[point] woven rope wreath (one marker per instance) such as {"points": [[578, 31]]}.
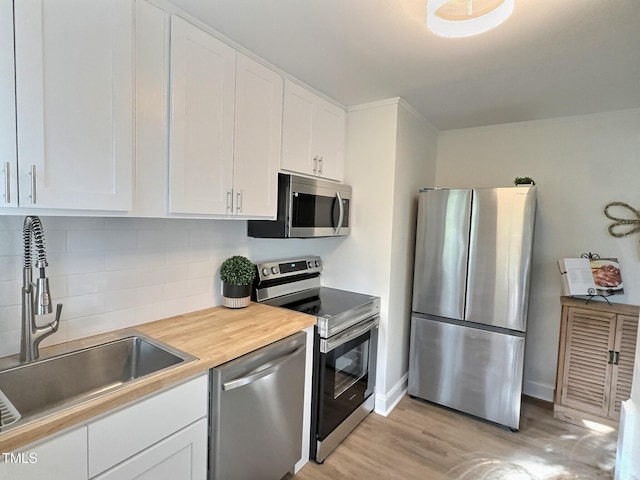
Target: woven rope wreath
{"points": [[633, 223]]}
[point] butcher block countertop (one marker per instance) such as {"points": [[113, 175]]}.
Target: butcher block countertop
{"points": [[215, 336]]}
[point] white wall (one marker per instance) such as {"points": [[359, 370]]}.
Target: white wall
{"points": [[415, 169], [580, 164], [113, 273], [389, 150]]}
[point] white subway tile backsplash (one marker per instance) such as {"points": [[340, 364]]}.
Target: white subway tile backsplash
{"points": [[112, 273], [75, 263], [164, 309], [185, 288], [205, 269], [86, 283], [10, 268], [133, 259], [121, 299], [10, 292], [199, 302], [11, 223], [10, 317], [100, 240], [72, 223], [9, 342], [11, 243], [82, 305]]}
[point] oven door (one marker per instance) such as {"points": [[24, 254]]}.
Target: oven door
{"points": [[320, 210], [346, 374]]}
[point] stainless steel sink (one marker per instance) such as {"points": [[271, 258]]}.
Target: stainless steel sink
{"points": [[52, 384]]}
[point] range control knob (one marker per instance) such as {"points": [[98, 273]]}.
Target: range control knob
{"points": [[274, 270], [310, 264], [265, 271], [317, 263]]}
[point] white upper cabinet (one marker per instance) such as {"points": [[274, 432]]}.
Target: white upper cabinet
{"points": [[74, 95], [8, 154], [257, 138], [201, 121], [312, 134], [225, 128]]}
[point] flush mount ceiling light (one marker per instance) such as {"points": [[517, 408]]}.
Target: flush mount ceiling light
{"points": [[462, 18]]}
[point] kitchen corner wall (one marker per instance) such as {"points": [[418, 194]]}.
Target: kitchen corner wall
{"points": [[113, 273], [580, 164], [390, 154]]}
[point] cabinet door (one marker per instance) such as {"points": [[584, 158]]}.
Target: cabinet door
{"points": [[297, 124], [74, 77], [136, 427], [201, 128], [181, 456], [258, 120], [625, 346], [8, 156], [328, 139], [61, 457], [586, 382]]}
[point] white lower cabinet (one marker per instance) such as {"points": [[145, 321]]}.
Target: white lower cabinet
{"points": [[163, 436], [182, 456], [63, 457], [132, 438]]}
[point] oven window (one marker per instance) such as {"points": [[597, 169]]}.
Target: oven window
{"points": [[350, 367], [344, 382]]}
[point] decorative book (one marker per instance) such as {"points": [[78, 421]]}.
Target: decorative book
{"points": [[590, 276]]}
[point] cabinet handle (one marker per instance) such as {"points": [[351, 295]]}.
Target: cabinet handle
{"points": [[33, 184], [7, 182], [320, 159], [315, 165], [230, 200], [610, 362], [239, 201], [617, 360]]}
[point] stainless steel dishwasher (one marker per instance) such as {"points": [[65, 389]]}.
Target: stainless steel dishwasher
{"points": [[256, 412]]}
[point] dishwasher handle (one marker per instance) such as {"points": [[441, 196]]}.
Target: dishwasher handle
{"points": [[262, 371]]}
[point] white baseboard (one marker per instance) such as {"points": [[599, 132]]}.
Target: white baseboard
{"points": [[539, 390], [385, 403]]}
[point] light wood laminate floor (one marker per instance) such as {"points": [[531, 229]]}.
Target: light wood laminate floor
{"points": [[421, 441]]}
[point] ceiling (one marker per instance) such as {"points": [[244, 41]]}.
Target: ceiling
{"points": [[551, 58]]}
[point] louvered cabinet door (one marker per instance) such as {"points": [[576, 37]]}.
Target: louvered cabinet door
{"points": [[622, 372], [586, 381]]}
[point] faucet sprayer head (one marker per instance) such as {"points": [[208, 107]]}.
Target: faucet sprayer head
{"points": [[43, 297]]}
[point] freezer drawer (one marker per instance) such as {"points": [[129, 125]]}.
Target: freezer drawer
{"points": [[478, 372]]}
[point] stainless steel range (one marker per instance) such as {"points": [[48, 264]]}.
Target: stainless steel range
{"points": [[345, 345]]}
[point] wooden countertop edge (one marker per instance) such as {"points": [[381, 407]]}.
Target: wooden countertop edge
{"points": [[171, 331]]}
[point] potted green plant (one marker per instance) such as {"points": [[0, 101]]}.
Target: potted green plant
{"points": [[237, 274], [523, 181]]}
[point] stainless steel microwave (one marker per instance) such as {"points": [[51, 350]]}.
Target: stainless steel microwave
{"points": [[307, 207]]}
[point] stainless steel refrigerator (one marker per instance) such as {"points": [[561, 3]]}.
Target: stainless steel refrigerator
{"points": [[470, 299]]}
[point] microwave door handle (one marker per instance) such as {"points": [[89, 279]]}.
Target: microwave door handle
{"points": [[341, 217]]}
